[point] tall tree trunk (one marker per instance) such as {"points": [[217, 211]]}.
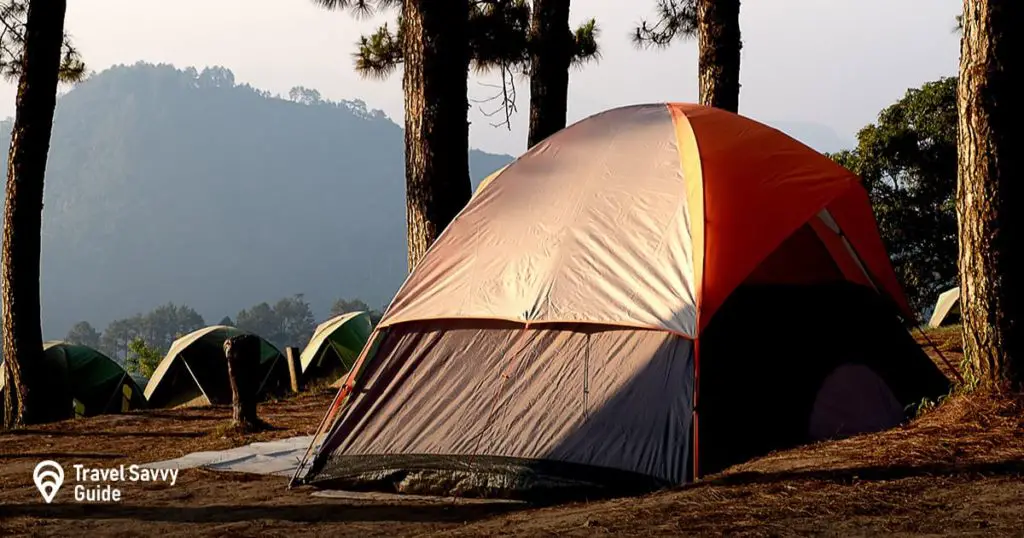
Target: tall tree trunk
{"points": [[719, 44], [27, 398], [989, 192], [550, 58], [436, 65]]}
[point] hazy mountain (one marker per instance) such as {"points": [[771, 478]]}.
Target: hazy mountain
{"points": [[177, 185]]}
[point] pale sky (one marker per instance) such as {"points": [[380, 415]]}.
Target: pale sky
{"points": [[832, 62]]}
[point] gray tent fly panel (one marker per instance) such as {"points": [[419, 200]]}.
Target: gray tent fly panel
{"points": [[194, 370]]}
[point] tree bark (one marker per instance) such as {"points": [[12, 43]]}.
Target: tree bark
{"points": [[436, 65], [550, 58], [989, 194], [29, 398], [719, 44], [243, 355]]}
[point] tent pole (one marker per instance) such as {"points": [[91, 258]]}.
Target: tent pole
{"points": [[181, 357], [343, 392]]}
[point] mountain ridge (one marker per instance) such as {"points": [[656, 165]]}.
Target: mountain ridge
{"points": [[167, 184]]}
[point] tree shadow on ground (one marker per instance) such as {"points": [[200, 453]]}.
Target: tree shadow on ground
{"points": [[184, 417], [311, 512], [868, 473], [57, 455], [62, 433]]}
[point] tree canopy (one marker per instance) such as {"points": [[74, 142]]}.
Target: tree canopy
{"points": [[344, 306], [288, 322], [158, 329], [83, 334], [499, 39], [908, 161], [142, 358]]}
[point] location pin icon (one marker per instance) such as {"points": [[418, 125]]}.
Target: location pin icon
{"points": [[48, 476]]}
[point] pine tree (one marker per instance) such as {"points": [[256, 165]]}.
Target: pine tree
{"points": [[41, 41], [716, 25], [989, 192]]}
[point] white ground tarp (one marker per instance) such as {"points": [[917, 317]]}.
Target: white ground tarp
{"points": [[279, 457]]}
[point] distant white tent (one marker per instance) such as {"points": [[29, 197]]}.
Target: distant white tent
{"points": [[948, 303]]}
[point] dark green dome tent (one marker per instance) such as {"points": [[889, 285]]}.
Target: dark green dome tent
{"points": [[195, 372], [95, 383], [335, 346]]}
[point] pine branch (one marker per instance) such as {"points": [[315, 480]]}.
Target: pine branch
{"points": [[676, 19], [12, 42], [360, 9], [379, 54], [585, 48], [499, 35]]}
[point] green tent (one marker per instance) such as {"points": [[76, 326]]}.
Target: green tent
{"points": [[94, 382], [335, 346], [195, 372]]}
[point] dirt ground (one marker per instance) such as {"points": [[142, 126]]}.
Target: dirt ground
{"points": [[955, 470]]}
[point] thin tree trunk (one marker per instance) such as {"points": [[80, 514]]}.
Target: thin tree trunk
{"points": [[436, 65], [28, 400], [550, 58], [989, 193], [243, 356], [719, 44]]}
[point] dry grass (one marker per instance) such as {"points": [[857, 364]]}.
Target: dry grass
{"points": [[954, 470]]}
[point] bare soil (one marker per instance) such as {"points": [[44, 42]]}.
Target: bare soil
{"points": [[957, 469]]}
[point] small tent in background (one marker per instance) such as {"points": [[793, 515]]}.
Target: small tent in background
{"points": [[335, 346], [94, 383], [195, 372], [947, 308], [647, 296]]}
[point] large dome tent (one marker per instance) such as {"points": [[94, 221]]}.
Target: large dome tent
{"points": [[648, 296], [94, 383], [335, 346], [195, 372]]}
